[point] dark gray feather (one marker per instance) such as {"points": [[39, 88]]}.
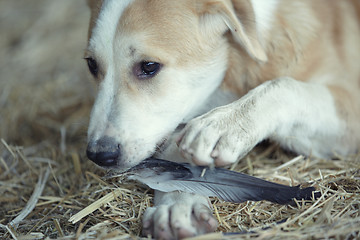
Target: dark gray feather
{"points": [[228, 185]]}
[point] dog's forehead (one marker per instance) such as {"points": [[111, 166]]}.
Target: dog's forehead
{"points": [[162, 24], [155, 23], [142, 14]]}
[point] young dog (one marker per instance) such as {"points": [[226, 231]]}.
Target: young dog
{"points": [[237, 72]]}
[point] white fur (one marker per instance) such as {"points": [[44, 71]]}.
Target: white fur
{"points": [[101, 45], [264, 14], [271, 110], [183, 211], [105, 28]]}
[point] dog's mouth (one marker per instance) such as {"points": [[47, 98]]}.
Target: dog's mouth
{"points": [[164, 143], [161, 146]]}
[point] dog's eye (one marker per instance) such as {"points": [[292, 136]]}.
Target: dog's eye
{"points": [[149, 68], [146, 69], [93, 66]]}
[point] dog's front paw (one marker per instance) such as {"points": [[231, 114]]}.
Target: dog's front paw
{"points": [[218, 138], [181, 215]]}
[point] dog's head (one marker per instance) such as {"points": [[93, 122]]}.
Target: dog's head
{"points": [[156, 62]]}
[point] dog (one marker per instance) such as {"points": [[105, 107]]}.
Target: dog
{"points": [[235, 72]]}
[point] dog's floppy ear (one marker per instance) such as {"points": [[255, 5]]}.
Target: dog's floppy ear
{"points": [[220, 14]]}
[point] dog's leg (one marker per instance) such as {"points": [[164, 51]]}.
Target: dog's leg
{"points": [[178, 215], [301, 116]]}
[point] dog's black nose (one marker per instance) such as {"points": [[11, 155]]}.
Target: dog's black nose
{"points": [[105, 152], [103, 159]]}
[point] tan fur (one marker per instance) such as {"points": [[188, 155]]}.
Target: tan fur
{"points": [[321, 47], [165, 35], [307, 50], [327, 45]]}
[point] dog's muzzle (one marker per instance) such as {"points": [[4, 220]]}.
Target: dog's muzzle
{"points": [[104, 152]]}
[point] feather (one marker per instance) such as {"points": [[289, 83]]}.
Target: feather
{"points": [[228, 185]]}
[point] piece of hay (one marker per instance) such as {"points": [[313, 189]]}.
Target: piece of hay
{"points": [[95, 206], [33, 199]]}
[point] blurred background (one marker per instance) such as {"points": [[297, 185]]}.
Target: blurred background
{"points": [[45, 100], [45, 91]]}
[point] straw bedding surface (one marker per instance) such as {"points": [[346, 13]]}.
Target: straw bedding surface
{"points": [[45, 179]]}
